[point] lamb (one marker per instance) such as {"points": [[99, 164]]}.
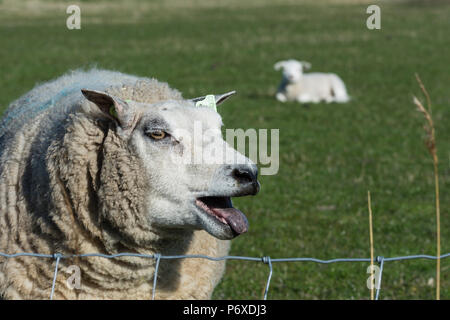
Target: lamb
{"points": [[95, 161], [310, 87]]}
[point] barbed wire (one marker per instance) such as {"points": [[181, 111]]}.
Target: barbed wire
{"points": [[266, 260]]}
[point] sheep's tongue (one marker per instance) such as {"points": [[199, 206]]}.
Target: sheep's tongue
{"points": [[235, 218]]}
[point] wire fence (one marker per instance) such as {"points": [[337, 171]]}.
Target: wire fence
{"points": [[266, 260]]}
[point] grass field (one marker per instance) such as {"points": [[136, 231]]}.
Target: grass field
{"points": [[330, 155]]}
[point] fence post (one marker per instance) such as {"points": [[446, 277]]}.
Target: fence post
{"points": [[267, 260], [57, 256], [156, 256]]}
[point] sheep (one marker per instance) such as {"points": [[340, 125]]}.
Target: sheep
{"points": [[310, 87], [94, 162]]}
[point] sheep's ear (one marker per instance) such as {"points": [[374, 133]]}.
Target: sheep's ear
{"points": [[280, 64], [306, 65], [112, 107], [222, 97], [219, 98]]}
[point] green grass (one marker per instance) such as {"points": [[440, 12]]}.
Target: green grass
{"points": [[330, 155]]}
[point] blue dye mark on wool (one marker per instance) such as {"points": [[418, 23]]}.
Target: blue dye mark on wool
{"points": [[30, 110], [35, 108], [67, 87]]}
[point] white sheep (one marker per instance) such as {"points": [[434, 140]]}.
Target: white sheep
{"points": [[94, 162], [308, 87]]}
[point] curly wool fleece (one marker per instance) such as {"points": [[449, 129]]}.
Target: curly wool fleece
{"points": [[68, 186]]}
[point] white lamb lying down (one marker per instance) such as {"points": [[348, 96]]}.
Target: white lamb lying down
{"points": [[309, 87]]}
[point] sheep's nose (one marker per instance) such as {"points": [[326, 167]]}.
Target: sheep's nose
{"points": [[244, 175], [247, 177]]}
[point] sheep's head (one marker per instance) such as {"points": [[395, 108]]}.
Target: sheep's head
{"points": [[191, 172], [292, 69]]}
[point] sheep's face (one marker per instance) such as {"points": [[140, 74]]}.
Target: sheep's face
{"points": [[192, 172], [292, 69]]}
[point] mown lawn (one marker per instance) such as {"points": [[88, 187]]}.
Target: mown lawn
{"points": [[330, 155]]}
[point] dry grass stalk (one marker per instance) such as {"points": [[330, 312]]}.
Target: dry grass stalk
{"points": [[431, 146], [372, 290]]}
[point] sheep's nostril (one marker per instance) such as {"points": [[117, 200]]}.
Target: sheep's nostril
{"points": [[244, 175]]}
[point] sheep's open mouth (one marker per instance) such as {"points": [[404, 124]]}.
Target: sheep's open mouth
{"points": [[222, 209]]}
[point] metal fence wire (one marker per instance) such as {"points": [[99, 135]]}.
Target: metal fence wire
{"points": [[380, 260]]}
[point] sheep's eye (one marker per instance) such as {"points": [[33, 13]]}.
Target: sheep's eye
{"points": [[157, 135]]}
